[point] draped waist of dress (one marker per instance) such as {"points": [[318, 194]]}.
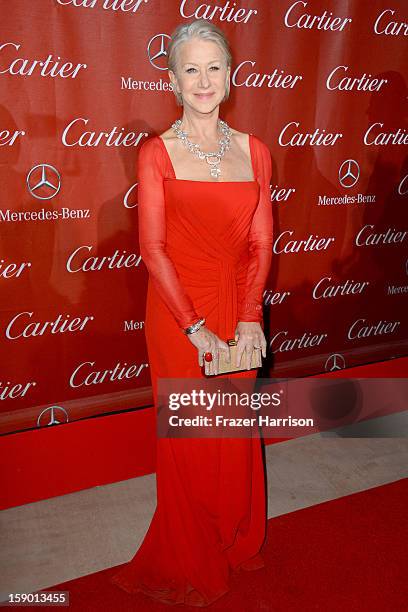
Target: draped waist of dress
{"points": [[207, 238]]}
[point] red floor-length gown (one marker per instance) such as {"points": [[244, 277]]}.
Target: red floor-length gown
{"points": [[207, 246]]}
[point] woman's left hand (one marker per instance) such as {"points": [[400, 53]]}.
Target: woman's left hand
{"points": [[249, 334]]}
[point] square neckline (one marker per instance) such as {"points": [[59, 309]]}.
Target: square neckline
{"points": [[174, 178]]}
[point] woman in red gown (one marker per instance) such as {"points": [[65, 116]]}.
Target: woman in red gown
{"points": [[207, 245]]}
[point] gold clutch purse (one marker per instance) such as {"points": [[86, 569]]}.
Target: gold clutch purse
{"points": [[225, 366]]}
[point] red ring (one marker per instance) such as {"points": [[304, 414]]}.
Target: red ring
{"points": [[208, 356]]}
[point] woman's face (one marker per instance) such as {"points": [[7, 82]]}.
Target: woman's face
{"points": [[202, 74]]}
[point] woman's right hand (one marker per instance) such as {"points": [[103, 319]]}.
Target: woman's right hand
{"points": [[206, 341]]}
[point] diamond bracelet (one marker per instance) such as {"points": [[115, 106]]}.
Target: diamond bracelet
{"points": [[194, 327]]}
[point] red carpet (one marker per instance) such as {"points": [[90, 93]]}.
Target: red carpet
{"points": [[346, 554]]}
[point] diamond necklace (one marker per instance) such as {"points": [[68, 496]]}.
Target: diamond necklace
{"points": [[212, 158]]}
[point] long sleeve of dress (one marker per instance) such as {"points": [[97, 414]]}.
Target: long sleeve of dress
{"points": [[260, 241], [152, 234]]}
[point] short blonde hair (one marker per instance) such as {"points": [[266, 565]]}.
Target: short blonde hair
{"points": [[206, 30]]}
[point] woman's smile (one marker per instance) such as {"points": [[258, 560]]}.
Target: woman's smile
{"points": [[204, 96]]}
